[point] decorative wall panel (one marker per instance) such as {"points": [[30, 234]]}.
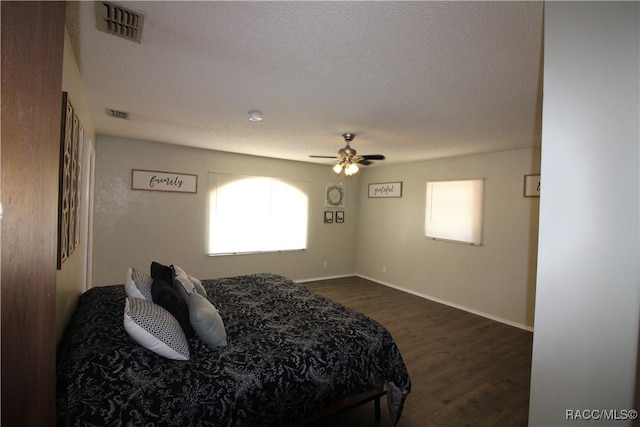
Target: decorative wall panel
{"points": [[72, 135]]}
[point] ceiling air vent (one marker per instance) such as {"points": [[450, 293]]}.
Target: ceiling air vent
{"points": [[117, 114], [119, 21]]}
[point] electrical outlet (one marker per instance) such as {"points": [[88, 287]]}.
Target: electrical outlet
{"points": [[325, 264], [384, 269]]}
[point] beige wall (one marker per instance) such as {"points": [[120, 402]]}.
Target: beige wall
{"points": [[134, 227], [496, 279], [70, 282]]}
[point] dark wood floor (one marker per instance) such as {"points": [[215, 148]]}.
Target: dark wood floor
{"points": [[465, 370]]}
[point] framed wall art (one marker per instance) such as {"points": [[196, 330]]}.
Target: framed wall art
{"points": [[69, 194], [328, 217], [164, 181], [385, 189], [334, 195]]}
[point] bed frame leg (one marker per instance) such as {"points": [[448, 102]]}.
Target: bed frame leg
{"points": [[377, 408]]}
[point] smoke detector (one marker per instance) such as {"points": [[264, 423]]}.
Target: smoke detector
{"points": [[255, 116]]}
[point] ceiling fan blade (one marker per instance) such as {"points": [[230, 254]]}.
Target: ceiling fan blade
{"points": [[373, 157], [364, 162], [325, 157]]}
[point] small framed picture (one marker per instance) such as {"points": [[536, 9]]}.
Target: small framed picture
{"points": [[328, 217], [339, 216]]}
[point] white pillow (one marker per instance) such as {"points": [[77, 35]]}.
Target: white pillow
{"points": [[206, 321], [155, 328], [197, 285], [138, 284], [182, 283], [178, 271]]}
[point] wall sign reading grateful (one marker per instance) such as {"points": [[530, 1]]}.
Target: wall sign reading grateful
{"points": [[164, 181], [385, 189]]}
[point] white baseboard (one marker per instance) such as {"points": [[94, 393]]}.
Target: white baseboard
{"points": [[340, 276], [450, 304], [425, 296]]}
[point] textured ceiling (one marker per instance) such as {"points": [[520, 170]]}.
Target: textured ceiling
{"points": [[413, 80]]}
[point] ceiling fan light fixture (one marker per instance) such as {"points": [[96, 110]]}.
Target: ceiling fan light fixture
{"points": [[351, 169], [349, 158]]}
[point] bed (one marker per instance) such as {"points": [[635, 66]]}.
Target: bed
{"points": [[289, 355]]}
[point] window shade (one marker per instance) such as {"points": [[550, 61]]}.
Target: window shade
{"points": [[454, 211]]}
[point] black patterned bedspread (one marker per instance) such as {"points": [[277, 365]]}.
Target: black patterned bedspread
{"points": [[290, 352]]}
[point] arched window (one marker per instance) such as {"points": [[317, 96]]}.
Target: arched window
{"points": [[249, 214]]}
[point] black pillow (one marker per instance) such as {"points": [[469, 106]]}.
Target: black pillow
{"points": [[160, 271], [168, 298]]}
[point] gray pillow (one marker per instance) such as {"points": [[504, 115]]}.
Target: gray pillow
{"points": [[206, 321], [197, 286]]}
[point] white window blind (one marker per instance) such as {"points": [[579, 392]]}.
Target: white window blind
{"points": [[454, 211], [250, 214]]}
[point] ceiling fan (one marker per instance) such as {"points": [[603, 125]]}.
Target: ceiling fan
{"points": [[349, 157]]}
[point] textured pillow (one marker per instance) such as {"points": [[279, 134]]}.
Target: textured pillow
{"points": [[168, 298], [138, 284], [197, 285], [160, 271], [206, 321], [155, 328]]}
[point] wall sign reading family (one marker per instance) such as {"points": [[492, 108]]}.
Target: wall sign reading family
{"points": [[164, 181]]}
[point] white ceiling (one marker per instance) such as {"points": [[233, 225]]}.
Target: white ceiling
{"points": [[413, 80]]}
